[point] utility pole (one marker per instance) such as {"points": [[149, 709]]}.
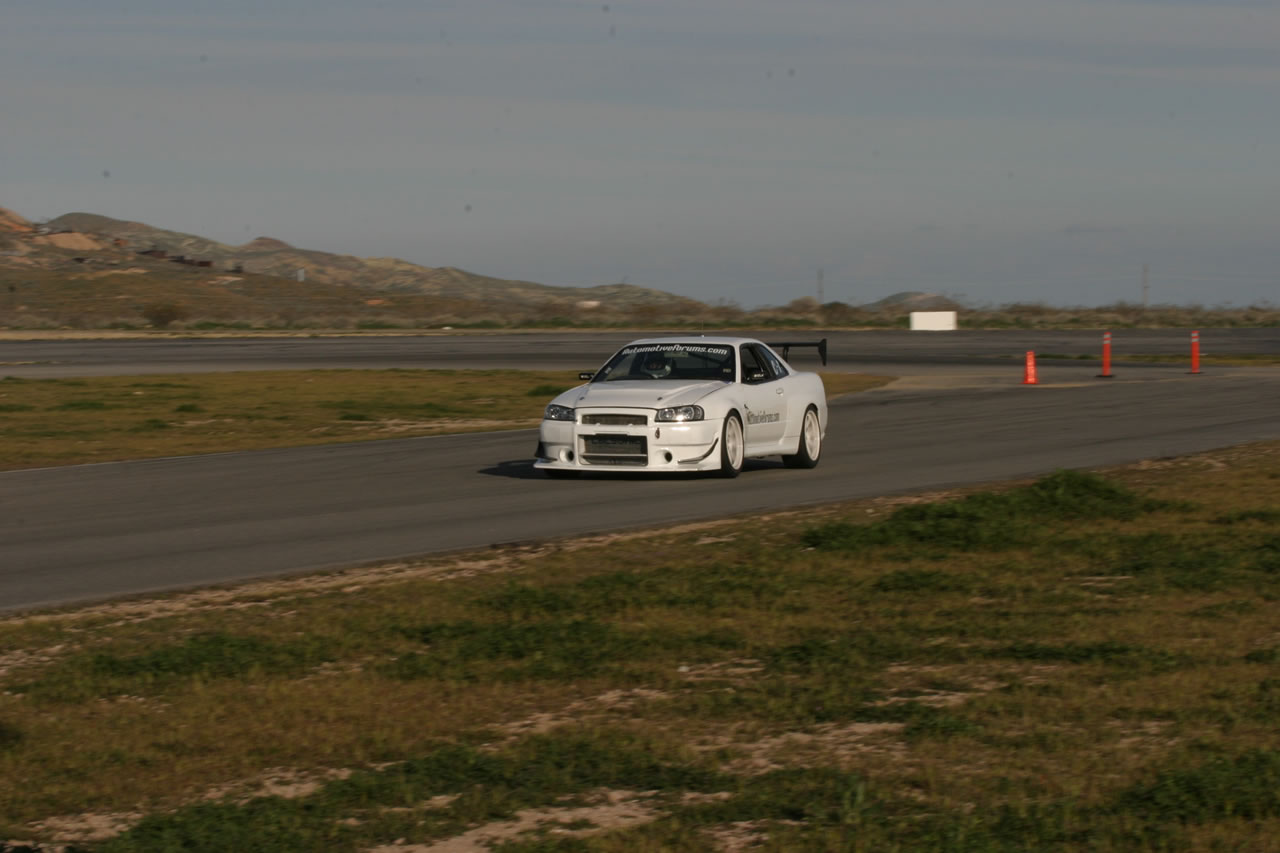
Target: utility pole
{"points": [[1146, 289], [821, 298]]}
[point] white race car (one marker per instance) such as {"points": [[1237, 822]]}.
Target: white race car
{"points": [[687, 404]]}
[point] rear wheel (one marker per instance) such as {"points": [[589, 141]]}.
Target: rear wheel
{"points": [[810, 442], [732, 446]]}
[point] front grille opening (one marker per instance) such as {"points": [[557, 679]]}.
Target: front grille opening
{"points": [[629, 461], [629, 450], [615, 420]]}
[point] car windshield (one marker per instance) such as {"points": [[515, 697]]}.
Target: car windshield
{"points": [[676, 361]]}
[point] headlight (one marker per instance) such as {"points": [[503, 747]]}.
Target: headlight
{"points": [[680, 413], [558, 413]]}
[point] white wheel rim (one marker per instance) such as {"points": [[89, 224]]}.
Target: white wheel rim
{"points": [[733, 442], [812, 434]]}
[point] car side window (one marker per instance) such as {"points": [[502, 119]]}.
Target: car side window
{"points": [[754, 369], [774, 363]]}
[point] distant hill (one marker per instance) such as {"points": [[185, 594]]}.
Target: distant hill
{"points": [[268, 256], [913, 300]]}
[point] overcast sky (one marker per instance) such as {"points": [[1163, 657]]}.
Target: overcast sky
{"points": [[992, 150]]}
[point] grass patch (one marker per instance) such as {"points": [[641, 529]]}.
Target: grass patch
{"points": [[484, 786], [548, 391], [920, 581], [1181, 559], [1244, 786], [1266, 516], [55, 422], [1106, 652], [555, 649], [80, 406], [152, 424], [987, 520], [10, 737], [1102, 678], [200, 658]]}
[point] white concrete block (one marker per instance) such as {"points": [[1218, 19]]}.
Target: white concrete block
{"points": [[933, 321]]}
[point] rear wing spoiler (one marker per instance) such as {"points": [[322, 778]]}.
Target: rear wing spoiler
{"points": [[786, 346]]}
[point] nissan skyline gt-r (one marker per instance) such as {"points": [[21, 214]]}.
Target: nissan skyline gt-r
{"points": [[687, 404]]}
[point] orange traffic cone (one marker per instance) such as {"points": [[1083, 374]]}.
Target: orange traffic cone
{"points": [[1029, 374]]}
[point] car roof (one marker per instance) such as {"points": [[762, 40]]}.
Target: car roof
{"points": [[695, 339]]}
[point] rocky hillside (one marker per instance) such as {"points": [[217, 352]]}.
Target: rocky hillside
{"points": [[83, 270], [12, 223], [268, 256]]}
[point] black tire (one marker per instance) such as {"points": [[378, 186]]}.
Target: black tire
{"points": [[733, 447], [810, 442]]}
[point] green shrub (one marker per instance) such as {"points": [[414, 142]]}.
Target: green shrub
{"points": [[82, 405], [10, 737], [909, 580], [163, 314], [988, 520], [1246, 786], [198, 658]]}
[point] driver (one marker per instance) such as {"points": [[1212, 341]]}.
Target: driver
{"points": [[656, 366]]}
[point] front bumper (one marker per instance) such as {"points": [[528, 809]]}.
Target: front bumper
{"points": [[615, 440]]}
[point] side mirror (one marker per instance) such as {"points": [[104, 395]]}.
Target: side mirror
{"points": [[585, 375]]}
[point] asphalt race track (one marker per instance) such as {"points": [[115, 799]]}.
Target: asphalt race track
{"points": [[864, 350], [960, 415]]}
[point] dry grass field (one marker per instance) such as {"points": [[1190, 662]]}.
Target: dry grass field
{"points": [[1087, 662]]}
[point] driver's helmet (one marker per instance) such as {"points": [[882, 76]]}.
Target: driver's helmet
{"points": [[656, 365]]}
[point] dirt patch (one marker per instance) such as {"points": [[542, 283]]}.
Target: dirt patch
{"points": [[284, 782], [743, 835], [616, 810], [90, 828], [22, 658], [105, 273], [70, 240], [594, 707], [912, 682], [829, 744], [1144, 735], [729, 670], [73, 829]]}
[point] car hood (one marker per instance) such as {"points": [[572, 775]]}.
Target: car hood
{"points": [[640, 394]]}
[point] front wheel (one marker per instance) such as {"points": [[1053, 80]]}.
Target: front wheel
{"points": [[732, 447], [810, 442]]}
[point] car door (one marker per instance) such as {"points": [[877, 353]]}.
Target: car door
{"points": [[793, 412], [764, 398]]}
